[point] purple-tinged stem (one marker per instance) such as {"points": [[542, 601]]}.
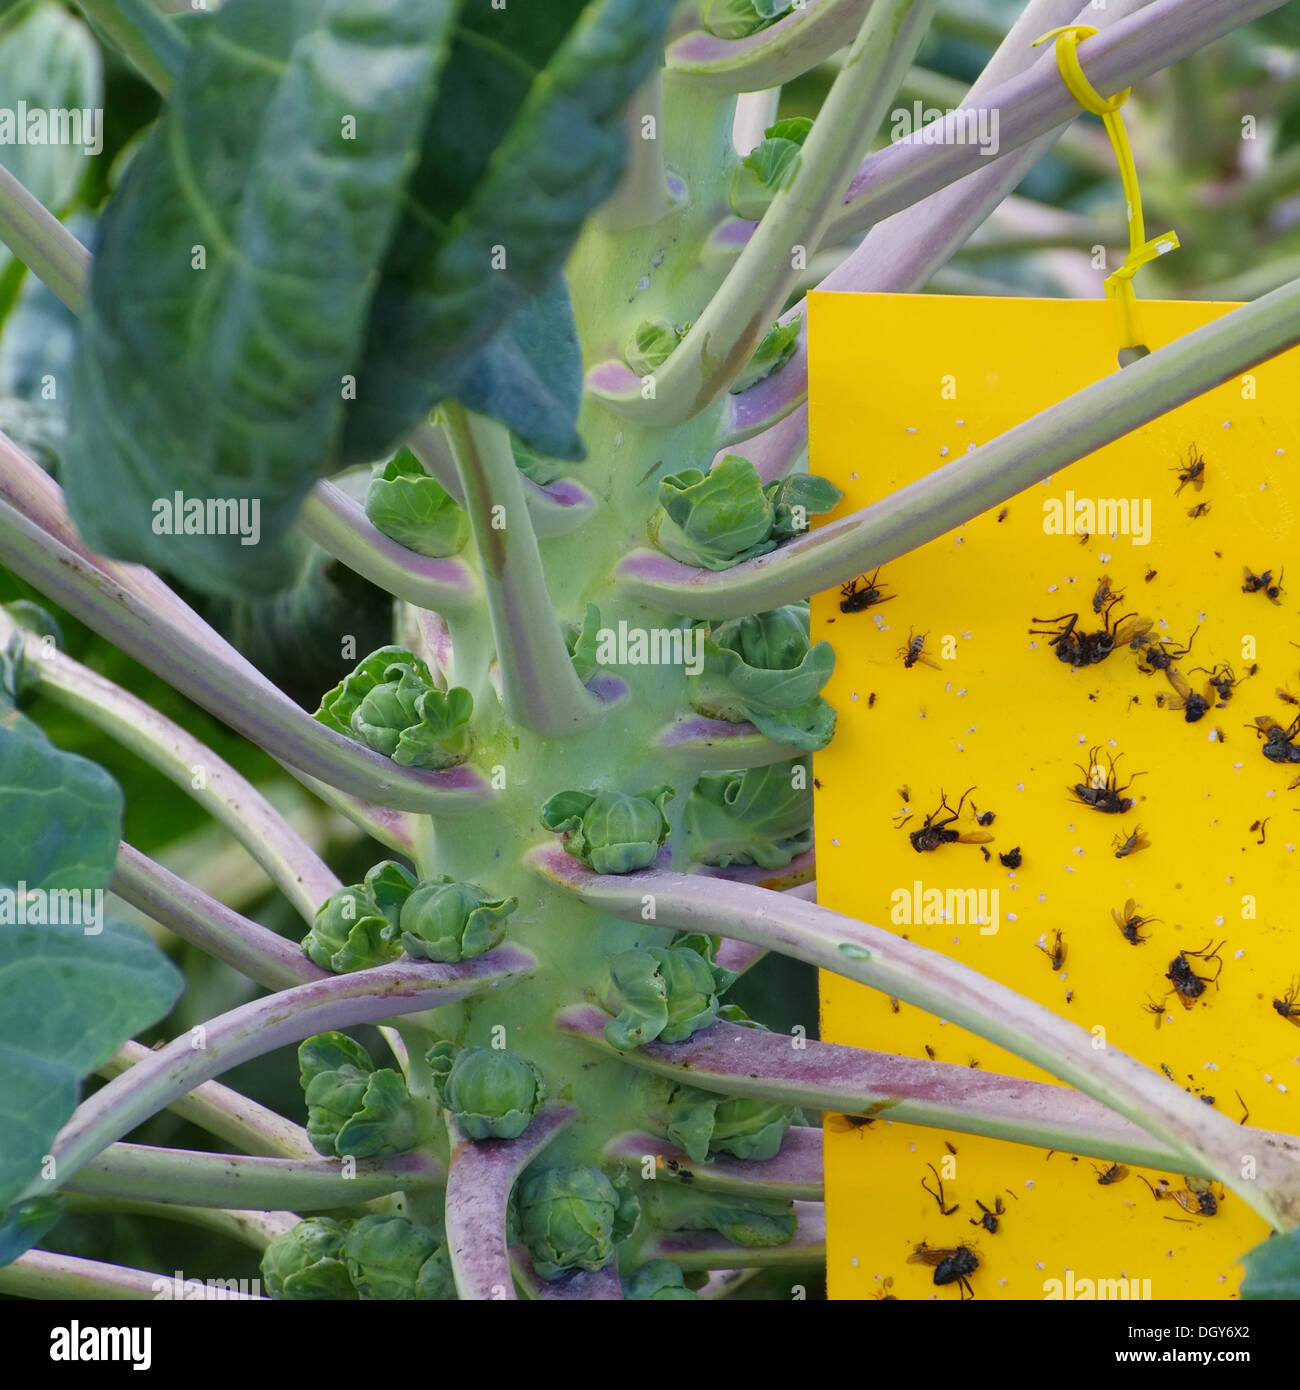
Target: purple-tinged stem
{"points": [[709, 1250], [796, 1172], [900, 968], [41, 1274], [256, 1229], [185, 1177], [340, 526], [365, 996], [480, 1179], [697, 744], [773, 56], [389, 827], [220, 931], [231, 1117], [540, 688], [984, 478], [721, 1283], [248, 702], [580, 1286], [798, 872]]}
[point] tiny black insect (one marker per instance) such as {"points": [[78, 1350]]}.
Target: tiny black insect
{"points": [[1160, 655], [1263, 583], [1152, 1007], [990, 1218], [913, 650], [1150, 575], [1188, 985], [1287, 1006], [1279, 744], [1130, 924], [862, 593], [1012, 859], [1088, 648], [1222, 678], [1109, 797], [1193, 471], [1002, 515], [1262, 827], [944, 1208], [935, 832], [1117, 1172], [950, 1266], [871, 700], [929, 1051], [1130, 845], [1058, 950]]}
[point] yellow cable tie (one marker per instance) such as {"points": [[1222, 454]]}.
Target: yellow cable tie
{"points": [[1119, 285]]}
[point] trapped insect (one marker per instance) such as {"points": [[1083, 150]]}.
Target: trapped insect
{"points": [[1192, 704], [1088, 648], [989, 1220], [1279, 743], [1263, 583], [1193, 471], [1117, 1172], [1222, 679], [1130, 844], [1160, 655], [1288, 1007], [859, 594], [1102, 593], [1198, 1197], [1188, 985], [954, 1266], [935, 832], [1058, 950], [1130, 924], [1109, 797], [913, 650], [940, 1199]]}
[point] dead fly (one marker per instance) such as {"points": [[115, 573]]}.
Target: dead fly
{"points": [[935, 832], [1188, 985], [1108, 798], [950, 1266], [1012, 859], [1286, 697], [1221, 678], [1150, 575], [1161, 655], [1262, 827], [1130, 845], [1287, 1005], [929, 1051], [1262, 583], [1088, 648], [1058, 950], [1130, 924], [1193, 704], [1002, 515], [944, 1208], [1198, 1197], [886, 1284], [1115, 1173], [1199, 509], [913, 650], [1102, 594], [983, 817], [862, 593], [1193, 471], [990, 1218], [1279, 744], [871, 700], [1158, 1009]]}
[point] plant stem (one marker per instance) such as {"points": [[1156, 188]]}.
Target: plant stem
{"points": [[642, 197], [255, 951], [44, 1275], [256, 1229], [950, 990], [709, 1250], [539, 687], [155, 48], [253, 706], [984, 478], [366, 996], [231, 1117], [794, 1173], [391, 828], [42, 242], [184, 1177]]}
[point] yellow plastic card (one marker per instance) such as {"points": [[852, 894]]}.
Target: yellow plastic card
{"points": [[1187, 526]]}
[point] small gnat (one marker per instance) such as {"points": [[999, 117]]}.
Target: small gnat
{"points": [[1105, 559], [854, 696], [1069, 868], [1270, 793], [1236, 955], [1213, 736], [943, 452], [853, 477], [1227, 424], [1268, 1078], [1281, 1085], [962, 691], [961, 747], [836, 843], [961, 540], [1020, 786], [1052, 588]]}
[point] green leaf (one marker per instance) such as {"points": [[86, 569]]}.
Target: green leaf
{"points": [[749, 1221], [714, 519], [1273, 1269], [415, 510], [758, 816], [292, 211], [25, 1223], [653, 343], [524, 142], [530, 376], [768, 168], [735, 19], [795, 499], [776, 349], [582, 642]]}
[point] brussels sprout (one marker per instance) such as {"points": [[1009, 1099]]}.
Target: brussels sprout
{"points": [[448, 921], [415, 510], [307, 1262], [352, 1109], [768, 168], [704, 1123], [667, 993], [349, 931], [386, 1256], [737, 19], [610, 832], [749, 1221], [572, 1218], [653, 343], [714, 519], [493, 1093], [581, 643], [796, 498], [435, 1280], [760, 669], [760, 816], [391, 704], [657, 1281], [777, 348]]}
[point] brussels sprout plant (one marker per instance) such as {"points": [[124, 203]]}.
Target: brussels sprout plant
{"points": [[497, 312]]}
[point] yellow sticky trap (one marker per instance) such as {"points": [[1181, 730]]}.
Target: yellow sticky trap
{"points": [[901, 386]]}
